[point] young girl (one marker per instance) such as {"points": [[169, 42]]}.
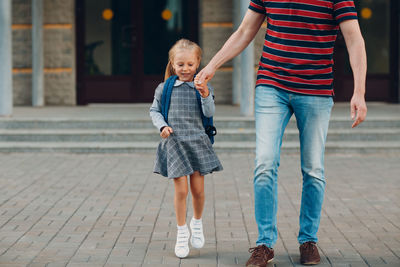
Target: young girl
{"points": [[185, 148]]}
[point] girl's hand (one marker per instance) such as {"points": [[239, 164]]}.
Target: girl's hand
{"points": [[202, 88], [166, 132]]}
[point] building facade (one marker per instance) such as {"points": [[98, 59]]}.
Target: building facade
{"points": [[109, 51]]}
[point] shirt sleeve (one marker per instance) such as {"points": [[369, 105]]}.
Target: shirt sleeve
{"points": [[207, 103], [344, 10], [257, 6], [155, 109]]}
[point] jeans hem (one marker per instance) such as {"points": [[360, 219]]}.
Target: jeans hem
{"points": [[308, 240], [266, 244]]}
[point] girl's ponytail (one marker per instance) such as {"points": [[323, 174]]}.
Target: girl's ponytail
{"points": [[169, 71]]}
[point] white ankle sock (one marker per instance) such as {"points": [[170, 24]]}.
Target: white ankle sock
{"points": [[182, 227], [196, 226], [182, 241], [197, 221]]}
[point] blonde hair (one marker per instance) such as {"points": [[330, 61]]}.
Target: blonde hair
{"points": [[181, 44]]}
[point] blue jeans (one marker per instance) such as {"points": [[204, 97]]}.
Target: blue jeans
{"points": [[273, 109]]}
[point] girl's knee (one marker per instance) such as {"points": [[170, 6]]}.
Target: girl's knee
{"points": [[181, 187], [181, 193], [197, 194]]}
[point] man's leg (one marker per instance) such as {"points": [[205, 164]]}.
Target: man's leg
{"points": [[312, 115], [272, 113]]}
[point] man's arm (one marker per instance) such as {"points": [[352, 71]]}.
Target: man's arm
{"points": [[238, 41], [358, 62]]}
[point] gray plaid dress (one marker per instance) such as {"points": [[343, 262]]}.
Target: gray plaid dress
{"points": [[188, 148]]}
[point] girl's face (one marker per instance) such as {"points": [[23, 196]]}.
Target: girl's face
{"points": [[185, 64]]}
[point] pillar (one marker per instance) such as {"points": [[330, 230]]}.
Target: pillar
{"points": [[6, 89], [236, 81], [247, 72], [37, 54]]}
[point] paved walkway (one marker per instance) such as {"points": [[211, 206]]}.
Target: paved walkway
{"points": [[110, 210]]}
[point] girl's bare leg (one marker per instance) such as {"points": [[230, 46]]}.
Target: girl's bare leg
{"points": [[183, 234], [197, 189], [196, 225], [181, 192]]}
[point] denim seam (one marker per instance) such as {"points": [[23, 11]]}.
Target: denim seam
{"points": [[287, 113]]}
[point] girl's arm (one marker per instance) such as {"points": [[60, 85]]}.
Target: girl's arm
{"points": [[207, 103], [155, 109]]}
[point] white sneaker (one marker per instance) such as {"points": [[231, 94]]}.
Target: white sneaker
{"points": [[182, 242], [197, 240]]}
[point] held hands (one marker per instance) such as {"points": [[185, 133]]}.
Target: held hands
{"points": [[166, 132], [202, 78], [201, 87], [358, 110], [205, 74]]}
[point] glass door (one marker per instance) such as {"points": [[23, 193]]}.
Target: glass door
{"points": [[105, 52], [122, 46], [374, 18], [163, 23]]}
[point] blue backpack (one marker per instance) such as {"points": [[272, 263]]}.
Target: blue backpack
{"points": [[209, 128]]}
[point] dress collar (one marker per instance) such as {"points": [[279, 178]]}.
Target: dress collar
{"points": [[178, 83]]}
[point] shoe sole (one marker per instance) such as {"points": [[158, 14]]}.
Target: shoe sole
{"points": [[251, 265], [182, 257], [197, 247], [311, 263]]}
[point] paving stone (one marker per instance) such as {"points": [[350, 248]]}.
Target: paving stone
{"points": [[110, 210]]}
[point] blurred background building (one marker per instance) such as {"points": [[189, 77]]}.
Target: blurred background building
{"points": [[115, 51]]}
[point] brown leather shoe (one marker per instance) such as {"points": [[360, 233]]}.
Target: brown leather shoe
{"points": [[260, 256], [309, 253]]}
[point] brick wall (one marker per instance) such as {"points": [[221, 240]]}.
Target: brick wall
{"points": [[59, 52], [59, 49]]}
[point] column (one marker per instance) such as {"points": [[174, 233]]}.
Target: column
{"points": [[37, 54], [236, 81], [397, 21], [247, 72], [6, 89]]}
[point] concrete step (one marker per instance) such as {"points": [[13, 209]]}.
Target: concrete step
{"points": [[75, 124], [331, 147], [357, 134], [335, 123], [152, 135], [221, 147], [220, 123], [235, 133]]}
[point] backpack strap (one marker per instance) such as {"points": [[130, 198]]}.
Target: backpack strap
{"points": [[166, 100], [166, 96], [208, 123]]}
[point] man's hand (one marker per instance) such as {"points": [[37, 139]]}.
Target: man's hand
{"points": [[358, 110], [166, 132], [204, 75]]}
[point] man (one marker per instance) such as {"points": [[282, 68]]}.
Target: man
{"points": [[295, 77]]}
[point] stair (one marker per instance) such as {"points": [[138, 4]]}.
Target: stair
{"points": [[235, 134]]}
